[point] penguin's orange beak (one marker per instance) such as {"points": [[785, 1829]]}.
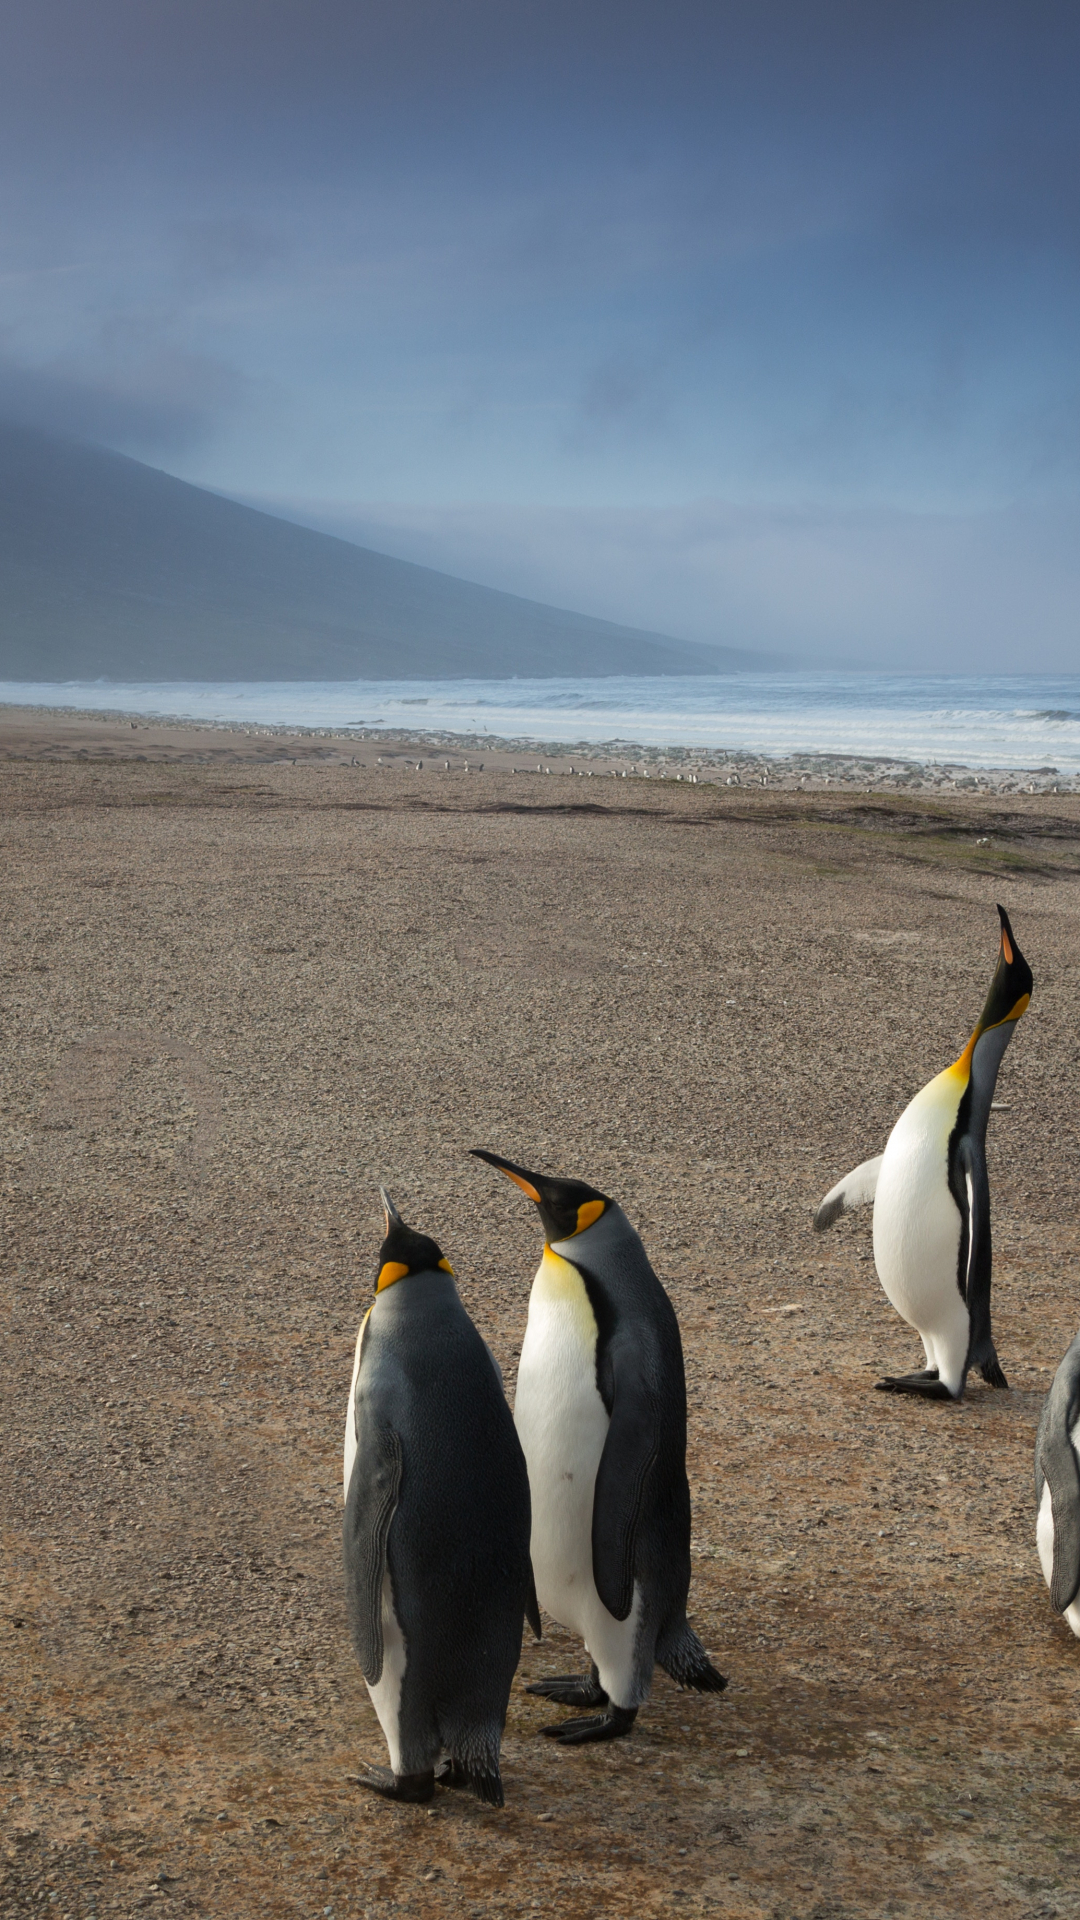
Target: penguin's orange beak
{"points": [[519, 1180]]}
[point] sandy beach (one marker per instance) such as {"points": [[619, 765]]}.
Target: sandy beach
{"points": [[244, 985], [58, 733]]}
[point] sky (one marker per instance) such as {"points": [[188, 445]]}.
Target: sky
{"points": [[753, 323]]}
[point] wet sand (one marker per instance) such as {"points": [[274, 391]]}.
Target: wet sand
{"points": [[240, 995]]}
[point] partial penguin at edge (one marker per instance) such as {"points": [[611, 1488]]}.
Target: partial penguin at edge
{"points": [[1057, 1489]]}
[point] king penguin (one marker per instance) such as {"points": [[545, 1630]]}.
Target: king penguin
{"points": [[1057, 1489], [436, 1528], [931, 1199], [601, 1413]]}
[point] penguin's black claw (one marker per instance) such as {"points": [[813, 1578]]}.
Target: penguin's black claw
{"points": [[410, 1787], [571, 1690], [612, 1725], [925, 1383]]}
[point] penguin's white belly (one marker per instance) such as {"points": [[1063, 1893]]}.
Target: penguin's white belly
{"points": [[917, 1227], [350, 1412], [562, 1424], [386, 1694], [1044, 1540]]}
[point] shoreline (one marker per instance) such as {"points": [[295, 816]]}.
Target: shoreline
{"points": [[35, 732]]}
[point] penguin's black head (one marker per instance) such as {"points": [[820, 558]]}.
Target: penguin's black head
{"points": [[403, 1251], [566, 1206], [1010, 988]]}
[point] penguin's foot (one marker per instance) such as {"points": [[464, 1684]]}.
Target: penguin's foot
{"points": [[413, 1787], [927, 1383], [612, 1725], [572, 1689], [449, 1774]]}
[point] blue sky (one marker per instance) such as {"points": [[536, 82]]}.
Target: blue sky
{"points": [[753, 323]]}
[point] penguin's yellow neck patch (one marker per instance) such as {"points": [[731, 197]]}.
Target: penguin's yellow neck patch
{"points": [[963, 1065], [559, 1289], [558, 1276]]}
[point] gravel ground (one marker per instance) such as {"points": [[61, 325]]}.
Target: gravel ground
{"points": [[237, 997]]}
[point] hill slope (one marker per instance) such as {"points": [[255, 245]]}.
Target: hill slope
{"points": [[112, 570]]}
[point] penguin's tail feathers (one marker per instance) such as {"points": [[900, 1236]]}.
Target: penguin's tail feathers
{"points": [[474, 1763], [488, 1787], [990, 1368], [481, 1778], [682, 1655]]}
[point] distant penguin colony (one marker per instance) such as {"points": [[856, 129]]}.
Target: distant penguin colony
{"points": [[931, 1199], [601, 1415], [452, 1505], [436, 1528]]}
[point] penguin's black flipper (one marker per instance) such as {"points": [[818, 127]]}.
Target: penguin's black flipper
{"points": [[369, 1509], [1057, 1464], [971, 1165], [532, 1606], [856, 1189], [612, 1725], [630, 1448]]}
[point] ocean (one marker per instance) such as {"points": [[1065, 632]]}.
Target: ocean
{"points": [[1024, 721]]}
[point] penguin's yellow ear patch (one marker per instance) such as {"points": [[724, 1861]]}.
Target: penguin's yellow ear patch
{"points": [[390, 1271], [588, 1211], [445, 1267]]}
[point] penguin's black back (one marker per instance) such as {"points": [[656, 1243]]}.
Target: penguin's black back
{"points": [[458, 1543], [642, 1382]]}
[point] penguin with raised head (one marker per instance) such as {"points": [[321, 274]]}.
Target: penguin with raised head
{"points": [[601, 1413], [436, 1528], [1057, 1489], [931, 1199]]}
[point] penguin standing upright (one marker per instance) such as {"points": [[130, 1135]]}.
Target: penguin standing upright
{"points": [[601, 1412], [931, 1199], [1057, 1489], [436, 1529]]}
